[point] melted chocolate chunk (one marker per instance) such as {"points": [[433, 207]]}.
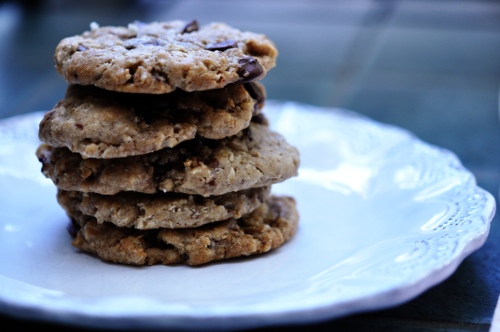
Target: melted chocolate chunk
{"points": [[190, 27], [250, 70], [221, 46], [255, 92], [260, 119]]}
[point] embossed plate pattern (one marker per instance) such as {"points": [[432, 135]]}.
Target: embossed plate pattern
{"points": [[384, 216]]}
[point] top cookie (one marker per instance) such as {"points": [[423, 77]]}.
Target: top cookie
{"points": [[160, 57]]}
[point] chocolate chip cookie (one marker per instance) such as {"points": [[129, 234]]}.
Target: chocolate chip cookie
{"points": [[159, 57], [150, 211], [102, 124], [160, 150], [266, 228], [255, 157]]}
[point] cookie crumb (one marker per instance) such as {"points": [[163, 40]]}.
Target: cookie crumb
{"points": [[94, 26]]}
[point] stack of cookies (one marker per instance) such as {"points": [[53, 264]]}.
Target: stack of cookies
{"points": [[160, 150]]}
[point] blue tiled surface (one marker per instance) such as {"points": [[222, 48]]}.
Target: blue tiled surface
{"points": [[432, 67]]}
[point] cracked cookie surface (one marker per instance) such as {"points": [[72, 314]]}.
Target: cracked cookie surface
{"points": [[150, 211], [266, 228], [159, 57], [255, 157], [102, 124]]}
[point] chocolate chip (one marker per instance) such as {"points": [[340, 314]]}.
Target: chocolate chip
{"points": [[160, 169], [250, 70], [72, 228], [152, 42], [260, 119], [230, 206], [221, 46], [190, 27], [198, 199], [255, 92], [130, 44]]}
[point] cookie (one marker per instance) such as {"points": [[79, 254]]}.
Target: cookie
{"points": [[255, 157], [102, 124], [159, 57], [266, 228], [150, 211]]}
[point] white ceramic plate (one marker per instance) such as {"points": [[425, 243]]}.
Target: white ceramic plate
{"points": [[384, 216]]}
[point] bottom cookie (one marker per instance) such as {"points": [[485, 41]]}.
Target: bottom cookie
{"points": [[268, 227]]}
